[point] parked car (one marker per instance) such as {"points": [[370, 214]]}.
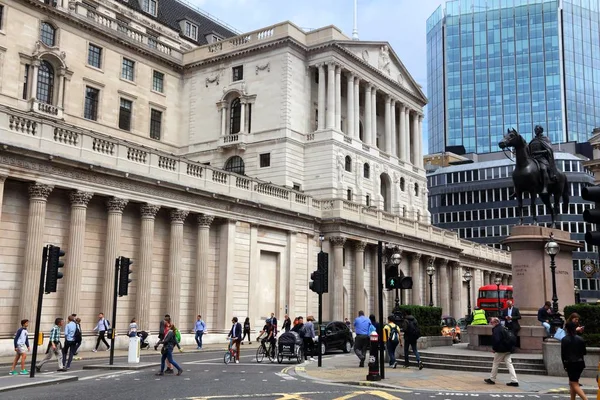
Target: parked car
{"points": [[450, 328], [462, 324], [334, 336]]}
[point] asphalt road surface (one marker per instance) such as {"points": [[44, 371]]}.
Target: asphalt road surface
{"points": [[205, 376]]}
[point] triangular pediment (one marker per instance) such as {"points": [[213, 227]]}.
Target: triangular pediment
{"points": [[382, 57]]}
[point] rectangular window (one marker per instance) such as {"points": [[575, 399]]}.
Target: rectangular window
{"points": [[249, 112], [265, 160], [296, 187], [26, 82], [94, 56], [1, 17], [155, 124], [191, 30], [127, 70], [92, 95], [125, 114], [152, 42], [158, 82], [238, 73], [349, 195], [149, 6]]}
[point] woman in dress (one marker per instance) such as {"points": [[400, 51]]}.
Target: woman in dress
{"points": [[572, 353]]}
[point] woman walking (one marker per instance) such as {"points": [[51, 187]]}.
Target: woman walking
{"points": [[246, 330], [572, 352], [167, 350], [309, 338]]}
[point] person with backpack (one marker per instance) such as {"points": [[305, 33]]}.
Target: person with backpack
{"points": [[412, 333], [391, 338], [168, 343], [503, 343], [78, 335], [102, 328]]}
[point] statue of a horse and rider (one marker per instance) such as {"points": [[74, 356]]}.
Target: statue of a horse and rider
{"points": [[535, 172]]}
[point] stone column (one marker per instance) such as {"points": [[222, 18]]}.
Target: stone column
{"points": [[336, 281], [350, 105], [115, 207], [331, 96], [444, 286], [402, 132], [223, 119], [61, 87], [38, 197], [374, 116], [2, 180], [407, 135], [144, 295], [321, 101], [368, 109], [175, 257], [374, 280], [415, 140], [456, 289], [243, 116], [486, 278], [388, 125], [226, 275], [420, 140], [394, 129], [359, 277], [415, 267], [74, 264], [510, 280], [34, 84], [356, 108], [338, 97], [202, 248], [505, 279]]}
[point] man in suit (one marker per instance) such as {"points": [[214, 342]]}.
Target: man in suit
{"points": [[511, 316], [236, 334]]}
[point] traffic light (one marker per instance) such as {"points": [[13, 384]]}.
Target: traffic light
{"points": [[124, 272], [53, 273], [392, 281], [317, 282], [592, 216], [406, 282], [323, 267]]}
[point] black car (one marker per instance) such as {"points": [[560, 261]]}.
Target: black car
{"points": [[335, 336]]}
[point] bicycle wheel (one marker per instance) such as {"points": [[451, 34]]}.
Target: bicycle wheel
{"points": [[227, 358], [260, 354], [272, 353]]}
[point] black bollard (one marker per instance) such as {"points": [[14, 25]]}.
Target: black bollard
{"points": [[374, 358]]}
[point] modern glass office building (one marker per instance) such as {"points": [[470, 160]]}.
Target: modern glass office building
{"points": [[496, 64]]}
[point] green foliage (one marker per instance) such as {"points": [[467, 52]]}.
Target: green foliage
{"points": [[428, 318], [590, 318]]}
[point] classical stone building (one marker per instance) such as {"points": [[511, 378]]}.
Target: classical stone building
{"points": [[214, 160]]}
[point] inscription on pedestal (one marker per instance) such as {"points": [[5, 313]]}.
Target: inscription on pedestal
{"points": [[520, 269]]}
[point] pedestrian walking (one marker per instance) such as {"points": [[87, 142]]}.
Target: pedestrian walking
{"points": [[576, 319], [374, 324], [133, 327], [412, 333], [544, 315], [236, 334], [391, 338], [511, 316], [78, 335], [168, 343], [21, 344], [572, 354], [162, 330], [287, 323], [502, 345], [361, 342], [348, 324], [309, 338], [70, 342], [102, 328], [274, 323], [54, 347], [199, 328], [246, 331]]}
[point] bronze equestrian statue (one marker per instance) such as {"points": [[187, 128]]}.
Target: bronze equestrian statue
{"points": [[535, 172]]}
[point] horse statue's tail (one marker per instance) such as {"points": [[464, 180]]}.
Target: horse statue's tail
{"points": [[565, 196]]}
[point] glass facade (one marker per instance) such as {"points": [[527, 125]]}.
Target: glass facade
{"points": [[497, 64]]}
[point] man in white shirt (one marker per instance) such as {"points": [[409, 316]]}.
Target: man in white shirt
{"points": [[102, 328]]}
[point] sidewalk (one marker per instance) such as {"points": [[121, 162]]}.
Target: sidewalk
{"points": [[344, 369]]}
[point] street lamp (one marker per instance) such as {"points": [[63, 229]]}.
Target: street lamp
{"points": [[396, 259], [430, 272], [552, 249], [577, 295], [467, 277], [498, 282]]}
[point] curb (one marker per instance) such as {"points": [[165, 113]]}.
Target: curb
{"points": [[121, 366], [54, 381], [589, 391]]}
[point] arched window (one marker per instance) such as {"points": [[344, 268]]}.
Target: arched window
{"points": [[360, 131], [402, 184], [348, 164], [48, 34], [367, 171], [235, 164], [45, 83], [235, 116], [416, 189]]}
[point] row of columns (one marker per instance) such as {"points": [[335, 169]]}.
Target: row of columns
{"points": [[38, 196], [489, 278], [403, 125]]}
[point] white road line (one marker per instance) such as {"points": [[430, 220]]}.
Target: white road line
{"points": [[108, 375], [285, 376]]}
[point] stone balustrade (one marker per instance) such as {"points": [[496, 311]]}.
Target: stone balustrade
{"points": [[96, 149]]}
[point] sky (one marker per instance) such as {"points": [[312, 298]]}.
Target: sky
{"points": [[399, 22]]}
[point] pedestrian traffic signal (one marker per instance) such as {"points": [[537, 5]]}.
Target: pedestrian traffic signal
{"points": [[406, 283], [392, 280], [317, 282], [323, 266], [124, 271], [53, 273], [592, 215]]}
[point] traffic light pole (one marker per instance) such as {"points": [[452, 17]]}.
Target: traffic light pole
{"points": [[38, 313], [380, 298], [320, 357], [114, 313]]}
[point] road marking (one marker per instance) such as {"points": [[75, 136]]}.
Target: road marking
{"points": [[285, 376], [289, 396], [108, 375], [377, 393]]}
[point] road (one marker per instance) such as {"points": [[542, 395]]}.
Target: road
{"points": [[207, 377]]}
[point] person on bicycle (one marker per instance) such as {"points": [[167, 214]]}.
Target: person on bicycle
{"points": [[269, 331], [236, 335]]}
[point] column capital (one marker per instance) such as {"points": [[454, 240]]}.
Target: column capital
{"points": [[368, 86], [3, 178], [443, 262], [360, 246], [455, 264], [39, 191], [116, 205], [388, 99], [205, 220], [415, 256], [178, 216], [337, 241], [80, 198], [149, 211], [338, 68]]}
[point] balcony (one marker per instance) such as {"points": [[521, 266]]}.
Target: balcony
{"points": [[235, 140], [46, 109]]}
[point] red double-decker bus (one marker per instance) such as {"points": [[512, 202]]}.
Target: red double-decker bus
{"points": [[487, 298]]}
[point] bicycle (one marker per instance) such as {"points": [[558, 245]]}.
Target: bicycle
{"points": [[231, 353], [270, 352]]}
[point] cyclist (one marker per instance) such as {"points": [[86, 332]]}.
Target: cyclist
{"points": [[269, 330]]}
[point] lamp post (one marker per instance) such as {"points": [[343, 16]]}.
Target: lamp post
{"points": [[396, 259], [498, 282], [430, 272], [552, 249], [467, 276], [577, 295]]}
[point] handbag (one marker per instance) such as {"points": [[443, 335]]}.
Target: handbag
{"points": [[163, 350]]}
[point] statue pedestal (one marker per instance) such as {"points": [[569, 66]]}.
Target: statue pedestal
{"points": [[532, 277]]}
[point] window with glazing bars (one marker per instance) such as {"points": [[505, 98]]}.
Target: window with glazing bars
{"points": [[155, 124], [95, 56], [45, 83], [1, 16], [127, 71], [158, 80], [26, 82], [125, 114], [48, 34], [92, 96], [149, 6]]}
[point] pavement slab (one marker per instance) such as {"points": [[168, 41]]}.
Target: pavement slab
{"points": [[8, 383]]}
